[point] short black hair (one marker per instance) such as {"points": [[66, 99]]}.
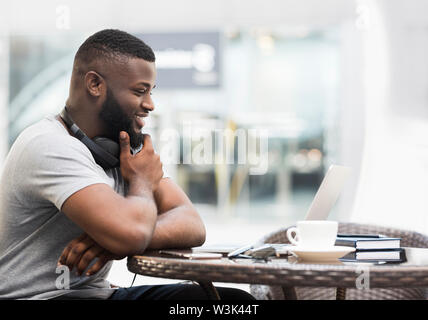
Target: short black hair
{"points": [[113, 44]]}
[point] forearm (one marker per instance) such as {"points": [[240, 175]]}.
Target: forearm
{"points": [[145, 212], [120, 225], [133, 232], [180, 227]]}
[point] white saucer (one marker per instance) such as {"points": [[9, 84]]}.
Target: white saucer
{"points": [[322, 254]]}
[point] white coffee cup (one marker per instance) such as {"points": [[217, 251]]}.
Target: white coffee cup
{"points": [[313, 234]]}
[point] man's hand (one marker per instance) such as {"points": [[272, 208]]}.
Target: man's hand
{"points": [[81, 251], [143, 171]]}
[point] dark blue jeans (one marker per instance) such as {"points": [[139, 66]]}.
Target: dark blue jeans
{"points": [[177, 292]]}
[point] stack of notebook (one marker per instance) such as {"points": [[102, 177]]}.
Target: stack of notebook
{"points": [[371, 247]]}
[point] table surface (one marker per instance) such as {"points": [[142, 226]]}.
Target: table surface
{"points": [[286, 271]]}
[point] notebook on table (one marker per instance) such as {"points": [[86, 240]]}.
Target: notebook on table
{"points": [[387, 255], [363, 242]]}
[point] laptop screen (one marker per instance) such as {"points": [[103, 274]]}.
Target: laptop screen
{"points": [[328, 192]]}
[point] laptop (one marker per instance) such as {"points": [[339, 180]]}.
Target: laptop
{"points": [[328, 192], [325, 198], [320, 208]]}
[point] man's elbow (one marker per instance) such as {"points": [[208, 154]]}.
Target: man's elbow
{"points": [[138, 233], [135, 241], [200, 235], [199, 231]]}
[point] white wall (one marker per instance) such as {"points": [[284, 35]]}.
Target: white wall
{"points": [[4, 94], [351, 112], [394, 180], [27, 16]]}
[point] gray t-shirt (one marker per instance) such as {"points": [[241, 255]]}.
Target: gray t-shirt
{"points": [[43, 168]]}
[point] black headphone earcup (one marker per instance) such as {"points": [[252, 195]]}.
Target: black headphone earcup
{"points": [[102, 157], [105, 152], [108, 145]]}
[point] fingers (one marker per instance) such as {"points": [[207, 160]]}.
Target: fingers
{"points": [[86, 259], [144, 167], [147, 142], [63, 258], [77, 251], [125, 148], [102, 260], [81, 252]]}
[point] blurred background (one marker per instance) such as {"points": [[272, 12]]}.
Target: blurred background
{"points": [[307, 83]]}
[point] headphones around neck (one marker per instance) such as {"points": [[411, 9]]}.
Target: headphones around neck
{"points": [[105, 151]]}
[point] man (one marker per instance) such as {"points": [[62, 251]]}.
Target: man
{"points": [[60, 208]]}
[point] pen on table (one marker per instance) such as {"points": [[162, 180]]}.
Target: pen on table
{"points": [[360, 235], [239, 251]]}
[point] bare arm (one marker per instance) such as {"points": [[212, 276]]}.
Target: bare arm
{"points": [[178, 224], [122, 225]]}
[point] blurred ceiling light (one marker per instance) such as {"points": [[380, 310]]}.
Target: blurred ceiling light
{"points": [[264, 38], [232, 33], [299, 160], [314, 155], [266, 43]]}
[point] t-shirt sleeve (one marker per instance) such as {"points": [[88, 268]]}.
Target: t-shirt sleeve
{"points": [[55, 167]]}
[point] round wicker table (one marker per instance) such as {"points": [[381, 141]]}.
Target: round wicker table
{"points": [[287, 272]]}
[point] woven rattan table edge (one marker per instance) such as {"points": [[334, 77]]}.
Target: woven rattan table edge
{"points": [[312, 275]]}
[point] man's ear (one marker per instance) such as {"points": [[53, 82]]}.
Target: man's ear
{"points": [[95, 83]]}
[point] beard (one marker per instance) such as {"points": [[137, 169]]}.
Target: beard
{"points": [[116, 120]]}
